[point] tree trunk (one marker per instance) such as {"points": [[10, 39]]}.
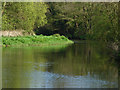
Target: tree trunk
{"points": [[4, 4]]}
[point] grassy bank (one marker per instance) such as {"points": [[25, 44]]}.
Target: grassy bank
{"points": [[35, 40]]}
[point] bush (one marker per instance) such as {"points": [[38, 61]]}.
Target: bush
{"points": [[34, 40], [56, 35]]}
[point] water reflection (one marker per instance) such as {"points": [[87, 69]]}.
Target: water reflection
{"points": [[81, 65]]}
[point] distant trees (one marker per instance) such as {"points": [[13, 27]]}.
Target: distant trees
{"points": [[77, 20], [84, 20], [23, 15]]}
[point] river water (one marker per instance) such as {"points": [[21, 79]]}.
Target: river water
{"points": [[85, 64]]}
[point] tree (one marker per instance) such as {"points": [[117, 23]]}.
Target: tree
{"points": [[84, 20], [23, 15]]}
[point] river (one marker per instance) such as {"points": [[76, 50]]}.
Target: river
{"points": [[85, 64]]}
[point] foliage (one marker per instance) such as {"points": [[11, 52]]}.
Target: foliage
{"points": [[75, 20], [57, 35], [35, 40], [23, 15], [78, 20]]}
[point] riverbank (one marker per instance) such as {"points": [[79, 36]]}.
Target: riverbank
{"points": [[15, 33], [40, 40]]}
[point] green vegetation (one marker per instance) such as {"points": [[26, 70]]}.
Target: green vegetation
{"points": [[96, 21], [53, 23], [23, 15], [75, 20], [35, 40]]}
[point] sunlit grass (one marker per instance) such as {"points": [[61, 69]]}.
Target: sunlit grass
{"points": [[35, 40]]}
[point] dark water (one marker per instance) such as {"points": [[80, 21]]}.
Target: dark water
{"points": [[81, 65]]}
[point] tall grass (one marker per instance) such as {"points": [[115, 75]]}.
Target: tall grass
{"points": [[35, 40]]}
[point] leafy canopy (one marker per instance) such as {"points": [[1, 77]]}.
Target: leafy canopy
{"points": [[23, 15]]}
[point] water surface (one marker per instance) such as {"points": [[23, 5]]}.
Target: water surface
{"points": [[81, 65]]}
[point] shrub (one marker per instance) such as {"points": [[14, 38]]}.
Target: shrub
{"points": [[56, 35]]}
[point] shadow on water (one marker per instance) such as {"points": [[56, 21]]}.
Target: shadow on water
{"points": [[84, 64]]}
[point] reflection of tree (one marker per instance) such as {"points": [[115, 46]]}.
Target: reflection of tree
{"points": [[18, 64], [74, 60], [14, 69], [81, 59]]}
